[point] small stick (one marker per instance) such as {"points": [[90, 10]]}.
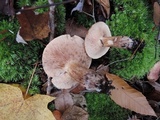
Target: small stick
{"points": [[30, 81], [44, 6], [136, 50]]}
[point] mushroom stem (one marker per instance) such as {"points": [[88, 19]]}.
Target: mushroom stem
{"points": [[76, 71], [89, 78], [117, 41]]}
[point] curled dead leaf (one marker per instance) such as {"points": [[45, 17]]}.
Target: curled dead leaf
{"points": [[63, 101], [14, 107], [128, 97]]}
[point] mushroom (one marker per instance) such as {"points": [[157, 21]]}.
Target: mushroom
{"points": [[98, 40], [65, 60]]}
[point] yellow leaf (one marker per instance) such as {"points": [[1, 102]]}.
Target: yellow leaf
{"points": [[128, 97], [14, 107]]}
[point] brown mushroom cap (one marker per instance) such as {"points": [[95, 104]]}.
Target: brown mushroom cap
{"points": [[58, 53], [93, 44]]}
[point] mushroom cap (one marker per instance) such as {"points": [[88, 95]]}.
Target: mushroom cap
{"points": [[93, 45], [58, 53]]}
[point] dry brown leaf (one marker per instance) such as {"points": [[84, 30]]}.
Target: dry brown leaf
{"points": [[156, 85], [75, 113], [106, 5], [128, 97], [156, 13], [63, 101], [73, 29], [33, 26], [14, 107]]}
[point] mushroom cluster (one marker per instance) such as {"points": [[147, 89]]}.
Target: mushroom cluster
{"points": [[67, 59]]}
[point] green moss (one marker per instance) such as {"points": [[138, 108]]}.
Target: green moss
{"points": [[17, 61], [101, 107], [40, 3], [133, 18], [83, 19], [60, 14], [22, 3]]}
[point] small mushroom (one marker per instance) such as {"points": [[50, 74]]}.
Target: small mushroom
{"points": [[65, 60], [98, 40]]}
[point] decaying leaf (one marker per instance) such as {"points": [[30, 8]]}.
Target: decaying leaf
{"points": [[155, 85], [156, 13], [14, 107], [75, 113], [106, 5], [128, 97], [6, 7], [79, 100], [73, 29], [154, 72], [33, 26], [78, 7], [63, 101], [57, 114]]}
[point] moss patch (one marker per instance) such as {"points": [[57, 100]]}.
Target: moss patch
{"points": [[101, 107], [133, 18]]}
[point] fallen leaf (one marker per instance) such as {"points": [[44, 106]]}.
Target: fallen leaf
{"points": [[75, 113], [33, 26], [78, 7], [73, 29], [79, 100], [154, 72], [128, 97], [155, 85], [106, 5], [14, 107], [57, 114], [23, 90], [63, 101], [6, 7], [156, 13]]}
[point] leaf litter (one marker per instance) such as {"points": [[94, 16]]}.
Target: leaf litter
{"points": [[65, 103], [14, 107]]}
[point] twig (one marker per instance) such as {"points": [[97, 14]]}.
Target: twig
{"points": [[136, 50], [91, 15], [44, 6], [93, 11], [51, 20], [30, 81]]}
